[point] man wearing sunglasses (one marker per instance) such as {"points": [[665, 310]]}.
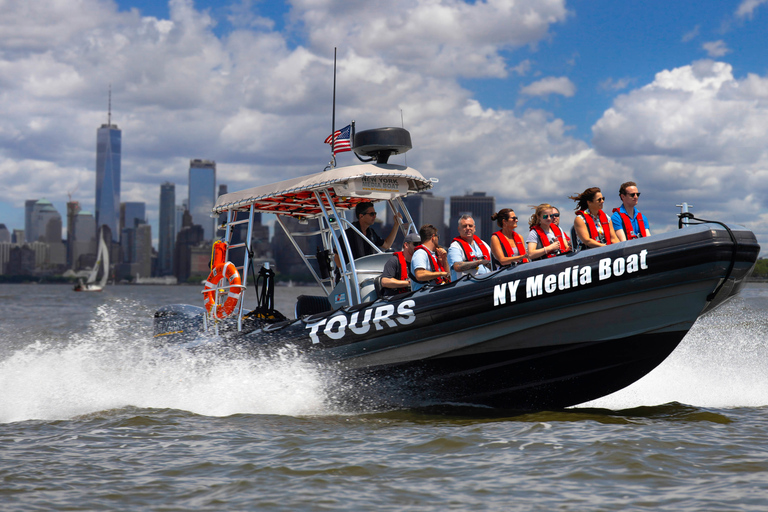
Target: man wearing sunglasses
{"points": [[366, 215], [627, 220]]}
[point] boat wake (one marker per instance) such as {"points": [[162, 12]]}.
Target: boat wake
{"points": [[721, 363], [114, 364]]}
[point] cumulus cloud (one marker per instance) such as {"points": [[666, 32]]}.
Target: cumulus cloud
{"points": [[698, 134], [610, 84], [716, 49], [747, 8], [550, 85]]}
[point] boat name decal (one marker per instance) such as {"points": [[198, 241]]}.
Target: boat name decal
{"points": [[380, 317], [571, 277]]}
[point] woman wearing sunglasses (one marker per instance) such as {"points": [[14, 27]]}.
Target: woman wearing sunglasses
{"points": [[507, 247], [592, 225], [545, 240]]}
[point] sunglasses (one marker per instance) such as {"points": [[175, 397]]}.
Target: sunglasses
{"points": [[372, 214], [634, 194], [512, 219], [548, 215], [600, 199]]}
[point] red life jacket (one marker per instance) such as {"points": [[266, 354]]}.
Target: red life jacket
{"points": [[545, 239], [590, 222], [627, 223], [507, 248], [469, 254], [436, 267], [403, 271]]}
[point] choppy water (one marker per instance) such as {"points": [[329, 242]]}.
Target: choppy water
{"points": [[93, 418]]}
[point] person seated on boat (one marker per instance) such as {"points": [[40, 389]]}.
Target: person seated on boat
{"points": [[429, 260], [545, 239], [627, 220], [395, 278], [467, 254], [507, 246], [556, 222], [591, 224], [366, 214]]}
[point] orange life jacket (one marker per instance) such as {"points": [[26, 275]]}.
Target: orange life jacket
{"points": [[627, 223], [469, 254], [436, 267], [545, 239]]}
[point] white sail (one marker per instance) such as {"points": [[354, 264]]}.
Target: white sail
{"points": [[104, 259]]}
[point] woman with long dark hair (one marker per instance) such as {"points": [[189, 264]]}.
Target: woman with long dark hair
{"points": [[592, 225]]}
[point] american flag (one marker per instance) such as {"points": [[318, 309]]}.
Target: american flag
{"points": [[342, 142]]}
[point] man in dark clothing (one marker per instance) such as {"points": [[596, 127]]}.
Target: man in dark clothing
{"points": [[366, 214], [395, 278]]}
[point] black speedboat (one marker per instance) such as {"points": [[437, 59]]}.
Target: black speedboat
{"points": [[546, 334]]}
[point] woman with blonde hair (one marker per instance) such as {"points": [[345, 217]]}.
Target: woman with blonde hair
{"points": [[545, 240], [507, 246], [592, 225]]}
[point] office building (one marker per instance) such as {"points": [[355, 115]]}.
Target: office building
{"points": [[108, 151], [167, 227], [5, 235], [132, 214], [480, 206], [426, 209], [29, 205], [84, 243], [73, 208], [202, 195]]}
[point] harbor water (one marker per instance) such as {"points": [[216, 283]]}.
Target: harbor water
{"points": [[94, 416]]}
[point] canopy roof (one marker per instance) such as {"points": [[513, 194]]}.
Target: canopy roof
{"points": [[348, 187]]}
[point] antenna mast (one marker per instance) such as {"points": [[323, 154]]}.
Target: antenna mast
{"points": [[109, 107]]}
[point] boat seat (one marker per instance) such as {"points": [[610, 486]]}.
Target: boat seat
{"points": [[575, 242], [311, 305]]}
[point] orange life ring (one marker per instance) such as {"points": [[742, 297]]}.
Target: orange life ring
{"points": [[226, 271]]}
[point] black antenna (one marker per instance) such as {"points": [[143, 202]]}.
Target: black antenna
{"points": [[333, 116], [109, 107]]}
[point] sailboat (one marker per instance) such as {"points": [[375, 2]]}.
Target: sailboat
{"points": [[102, 263]]}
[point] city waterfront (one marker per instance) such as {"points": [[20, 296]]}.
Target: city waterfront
{"points": [[93, 416]]}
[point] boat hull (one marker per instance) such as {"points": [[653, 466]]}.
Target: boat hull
{"points": [[546, 334]]}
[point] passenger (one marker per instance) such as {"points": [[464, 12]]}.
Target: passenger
{"points": [[591, 223], [395, 276], [468, 254], [366, 214], [557, 223], [429, 260], [545, 240], [627, 220], [507, 246]]}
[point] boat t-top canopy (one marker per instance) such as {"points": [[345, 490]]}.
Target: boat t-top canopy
{"points": [[346, 186]]}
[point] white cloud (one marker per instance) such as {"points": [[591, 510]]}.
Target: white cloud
{"points": [[716, 49], [696, 133], [610, 84], [747, 8], [550, 85], [692, 34]]}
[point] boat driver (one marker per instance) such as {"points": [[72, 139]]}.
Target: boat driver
{"points": [[429, 260], [395, 277], [468, 254], [627, 220], [366, 215]]}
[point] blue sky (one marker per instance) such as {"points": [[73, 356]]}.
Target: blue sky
{"points": [[531, 100]]}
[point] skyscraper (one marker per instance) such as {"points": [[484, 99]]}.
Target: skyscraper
{"points": [[480, 206], [132, 214], [73, 208], [108, 151], [426, 209], [29, 205], [167, 235], [202, 195]]}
